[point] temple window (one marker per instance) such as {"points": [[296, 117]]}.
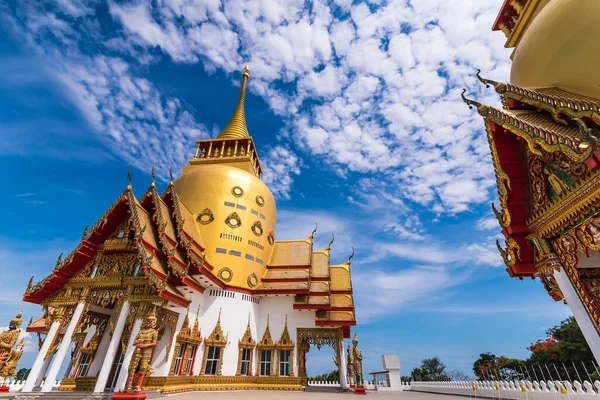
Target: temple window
{"points": [[265, 362], [285, 351], [246, 361], [246, 349], [191, 356], [186, 347], [212, 361], [284, 362], [266, 347], [84, 364], [214, 349], [177, 367]]}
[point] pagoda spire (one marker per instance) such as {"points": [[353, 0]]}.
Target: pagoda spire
{"points": [[236, 128]]}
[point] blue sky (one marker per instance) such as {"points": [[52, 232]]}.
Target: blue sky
{"points": [[356, 111]]}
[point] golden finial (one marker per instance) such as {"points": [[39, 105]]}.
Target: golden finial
{"points": [[351, 255], [481, 108], [30, 321], [30, 283], [186, 320], [152, 173], [268, 320], [85, 232], [330, 243], [129, 173], [219, 319], [312, 235], [236, 128], [58, 261], [248, 319], [500, 87], [171, 173]]}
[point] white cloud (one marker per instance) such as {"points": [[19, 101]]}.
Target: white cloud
{"points": [[376, 88]]}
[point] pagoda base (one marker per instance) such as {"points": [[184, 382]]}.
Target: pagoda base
{"points": [[4, 389], [129, 396], [360, 391]]}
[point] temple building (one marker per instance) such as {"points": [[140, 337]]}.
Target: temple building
{"points": [[189, 289], [546, 154]]}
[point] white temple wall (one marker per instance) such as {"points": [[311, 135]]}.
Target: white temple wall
{"points": [[159, 357], [235, 308], [277, 307], [102, 348]]}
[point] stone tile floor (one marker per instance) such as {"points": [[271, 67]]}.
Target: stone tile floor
{"points": [[313, 395]]}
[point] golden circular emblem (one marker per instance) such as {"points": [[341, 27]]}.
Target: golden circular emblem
{"points": [[271, 238], [225, 274], [257, 228], [233, 220], [206, 216], [252, 280], [237, 191], [260, 200]]}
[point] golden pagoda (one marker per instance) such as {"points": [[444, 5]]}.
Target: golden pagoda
{"points": [[117, 309], [545, 151]]}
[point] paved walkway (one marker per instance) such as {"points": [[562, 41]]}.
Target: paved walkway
{"points": [[283, 395]]}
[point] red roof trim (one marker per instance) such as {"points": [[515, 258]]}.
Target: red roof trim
{"points": [[288, 266]]}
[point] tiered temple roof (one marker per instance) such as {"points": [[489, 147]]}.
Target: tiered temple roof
{"points": [[553, 123]]}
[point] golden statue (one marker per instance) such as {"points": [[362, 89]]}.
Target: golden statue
{"points": [[357, 361], [557, 184], [350, 367], [144, 343], [9, 367], [9, 337]]}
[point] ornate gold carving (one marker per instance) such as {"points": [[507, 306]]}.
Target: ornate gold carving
{"points": [[246, 342], [205, 217], [266, 344], [216, 339], [357, 362], [271, 238], [286, 343], [502, 181], [511, 254], [318, 337], [79, 384], [144, 343], [260, 201], [177, 384], [233, 220], [116, 264], [225, 274], [237, 191], [252, 280], [257, 228]]}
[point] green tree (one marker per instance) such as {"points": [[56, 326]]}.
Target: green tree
{"points": [[431, 369], [485, 366], [333, 376], [22, 374], [564, 344]]}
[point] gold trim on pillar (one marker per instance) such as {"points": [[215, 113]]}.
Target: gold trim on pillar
{"points": [[246, 342], [216, 339]]}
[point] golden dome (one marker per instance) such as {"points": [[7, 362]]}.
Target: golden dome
{"points": [[235, 213], [558, 49]]}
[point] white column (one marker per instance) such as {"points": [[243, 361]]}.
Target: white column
{"points": [[128, 354], [343, 367], [63, 348], [164, 369], [39, 361], [579, 311], [40, 378], [113, 346]]}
